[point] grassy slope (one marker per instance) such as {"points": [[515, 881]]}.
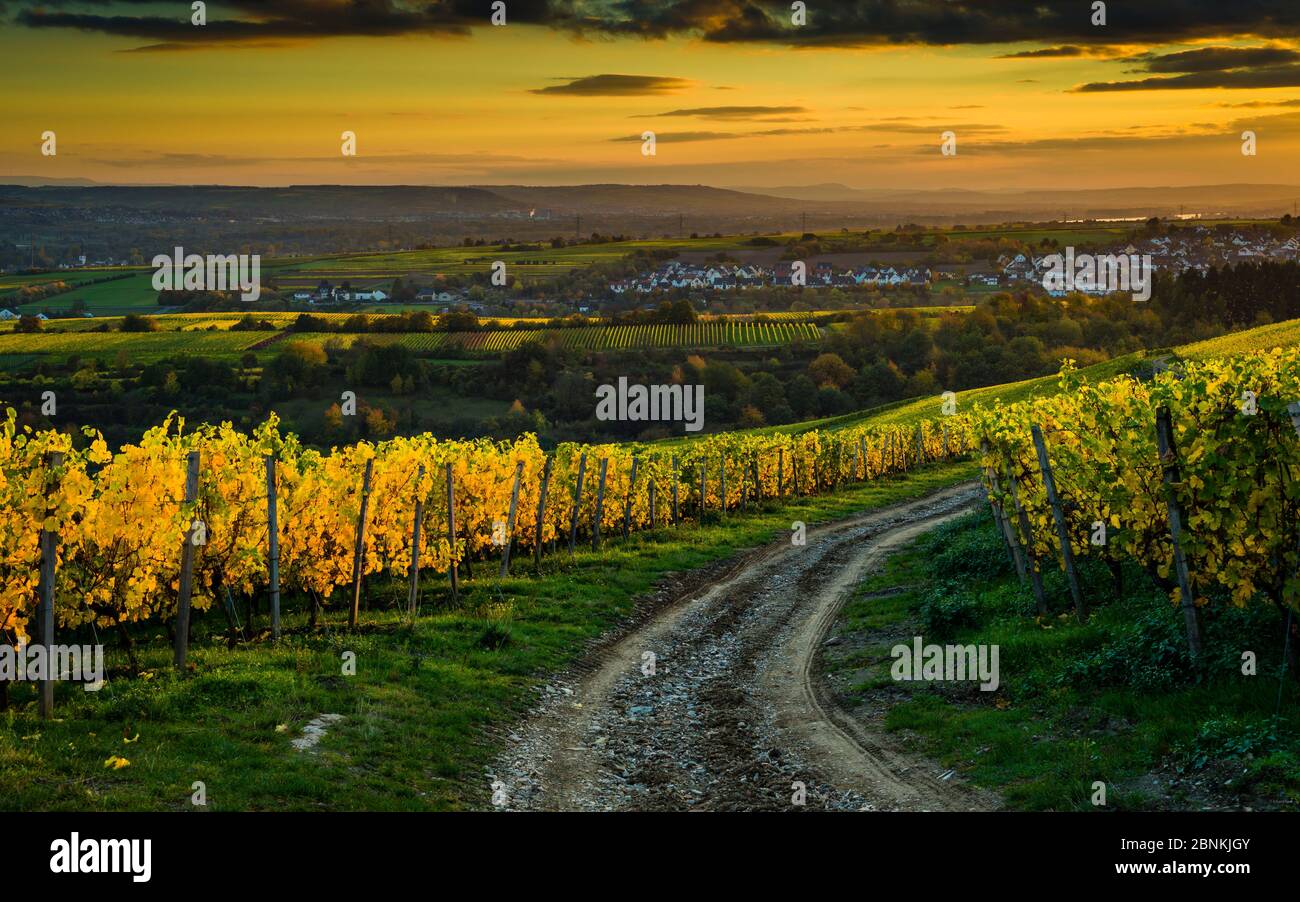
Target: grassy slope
{"points": [[1113, 700], [914, 410], [420, 711]]}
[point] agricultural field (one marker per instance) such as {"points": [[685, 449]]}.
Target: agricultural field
{"points": [[728, 334], [140, 347], [9, 282], [130, 295], [208, 334]]}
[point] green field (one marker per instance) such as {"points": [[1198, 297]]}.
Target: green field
{"points": [[105, 298], [140, 347]]}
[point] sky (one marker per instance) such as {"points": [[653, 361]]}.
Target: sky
{"points": [[1038, 95]]}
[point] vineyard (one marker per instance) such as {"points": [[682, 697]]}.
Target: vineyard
{"points": [[185, 518], [723, 334], [1192, 475], [210, 334]]}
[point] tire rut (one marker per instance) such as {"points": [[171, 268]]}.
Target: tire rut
{"points": [[732, 715]]}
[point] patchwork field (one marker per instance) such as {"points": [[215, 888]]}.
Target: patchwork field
{"points": [[210, 335], [595, 338]]}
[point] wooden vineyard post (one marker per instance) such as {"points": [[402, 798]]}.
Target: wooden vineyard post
{"points": [[49, 545], [677, 514], [1027, 533], [744, 487], [451, 530], [703, 482], [652, 502], [1000, 519], [577, 502], [359, 552], [510, 520], [946, 452], [862, 458], [541, 513], [920, 445], [1000, 516], [794, 472], [413, 595], [1169, 467], [780, 474], [722, 469], [273, 542], [758, 480], [1062, 531], [627, 502], [187, 563], [600, 505]]}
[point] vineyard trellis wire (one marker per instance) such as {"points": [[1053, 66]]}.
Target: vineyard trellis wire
{"points": [[1191, 475], [136, 543]]}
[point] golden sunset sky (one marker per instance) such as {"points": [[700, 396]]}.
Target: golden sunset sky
{"points": [[135, 94]]}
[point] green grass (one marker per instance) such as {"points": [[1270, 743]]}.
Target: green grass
{"points": [[1263, 338], [421, 713], [1114, 700], [129, 295]]}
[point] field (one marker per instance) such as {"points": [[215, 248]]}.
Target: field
{"points": [[727, 334], [209, 334], [141, 347]]}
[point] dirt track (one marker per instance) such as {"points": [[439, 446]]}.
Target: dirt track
{"points": [[734, 713]]}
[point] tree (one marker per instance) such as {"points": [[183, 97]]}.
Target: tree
{"points": [[830, 371], [134, 322], [751, 417]]}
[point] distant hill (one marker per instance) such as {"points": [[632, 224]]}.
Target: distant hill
{"points": [[761, 206], [295, 201], [37, 180], [662, 199], [1232, 199]]}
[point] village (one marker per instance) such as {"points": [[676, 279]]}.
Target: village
{"points": [[676, 274], [1198, 248]]}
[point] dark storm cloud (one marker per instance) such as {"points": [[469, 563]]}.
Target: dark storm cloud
{"points": [[1211, 59], [876, 22], [1210, 67], [1272, 77], [1045, 53], [1059, 23]]}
